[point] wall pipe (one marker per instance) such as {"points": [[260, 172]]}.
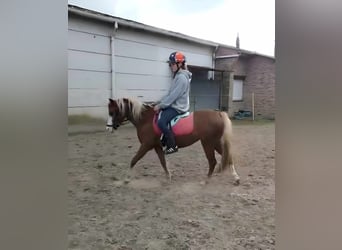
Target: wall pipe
{"points": [[112, 49]]}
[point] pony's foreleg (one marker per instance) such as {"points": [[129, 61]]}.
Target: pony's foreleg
{"points": [[141, 152], [161, 157]]}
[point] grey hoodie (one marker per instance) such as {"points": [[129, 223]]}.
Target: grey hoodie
{"points": [[178, 95]]}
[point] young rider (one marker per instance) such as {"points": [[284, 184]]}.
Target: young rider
{"points": [[176, 101]]}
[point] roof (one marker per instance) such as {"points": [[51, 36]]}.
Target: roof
{"points": [[133, 24], [242, 52], [140, 26]]}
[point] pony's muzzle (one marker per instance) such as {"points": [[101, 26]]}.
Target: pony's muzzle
{"points": [[115, 126], [111, 127]]}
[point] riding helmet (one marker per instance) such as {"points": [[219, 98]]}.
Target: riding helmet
{"points": [[177, 57]]}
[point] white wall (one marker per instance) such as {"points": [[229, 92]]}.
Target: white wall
{"points": [[89, 67], [139, 63]]}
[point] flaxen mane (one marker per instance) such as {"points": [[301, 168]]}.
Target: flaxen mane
{"points": [[135, 107]]}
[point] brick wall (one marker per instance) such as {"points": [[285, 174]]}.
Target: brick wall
{"points": [[241, 66], [223, 51], [259, 74], [260, 80]]}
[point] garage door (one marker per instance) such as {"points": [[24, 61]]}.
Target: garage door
{"points": [[205, 94]]}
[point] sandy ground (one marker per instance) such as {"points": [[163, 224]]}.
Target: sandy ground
{"points": [[150, 212]]}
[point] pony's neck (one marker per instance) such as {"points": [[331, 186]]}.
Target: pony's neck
{"points": [[132, 119], [133, 110], [146, 112]]}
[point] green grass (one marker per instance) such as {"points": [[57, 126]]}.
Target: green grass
{"points": [[251, 122], [84, 119]]}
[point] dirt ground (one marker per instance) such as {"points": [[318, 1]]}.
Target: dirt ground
{"points": [[152, 213]]}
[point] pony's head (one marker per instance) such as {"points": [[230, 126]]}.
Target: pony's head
{"points": [[116, 112], [124, 109]]}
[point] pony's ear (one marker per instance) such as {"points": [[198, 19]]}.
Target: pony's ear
{"points": [[112, 102]]}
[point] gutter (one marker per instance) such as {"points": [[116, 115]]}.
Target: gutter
{"points": [[227, 56]]}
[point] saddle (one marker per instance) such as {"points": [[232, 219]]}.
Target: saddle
{"points": [[182, 124]]}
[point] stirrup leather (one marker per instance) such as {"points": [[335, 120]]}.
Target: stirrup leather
{"points": [[163, 140]]}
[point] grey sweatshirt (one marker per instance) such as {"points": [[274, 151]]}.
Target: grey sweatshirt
{"points": [[178, 95]]}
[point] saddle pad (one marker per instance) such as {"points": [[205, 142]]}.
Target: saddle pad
{"points": [[181, 125], [178, 117]]}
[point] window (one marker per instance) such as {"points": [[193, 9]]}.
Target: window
{"points": [[238, 90]]}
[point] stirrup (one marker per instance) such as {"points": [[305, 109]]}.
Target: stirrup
{"points": [[171, 150]]}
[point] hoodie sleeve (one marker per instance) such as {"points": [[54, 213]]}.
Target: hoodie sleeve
{"points": [[178, 87]]}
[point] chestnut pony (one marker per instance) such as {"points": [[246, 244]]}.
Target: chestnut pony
{"points": [[212, 128]]}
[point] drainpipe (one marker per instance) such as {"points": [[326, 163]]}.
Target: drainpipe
{"points": [[112, 48], [213, 76], [213, 61]]}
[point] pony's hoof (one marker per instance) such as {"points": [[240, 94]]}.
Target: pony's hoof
{"points": [[169, 177], [237, 182]]}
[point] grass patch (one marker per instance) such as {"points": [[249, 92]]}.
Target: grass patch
{"points": [[84, 119], [251, 122]]}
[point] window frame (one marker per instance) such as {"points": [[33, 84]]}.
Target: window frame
{"points": [[240, 97]]}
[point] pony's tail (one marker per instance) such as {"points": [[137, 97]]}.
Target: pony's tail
{"points": [[226, 158]]}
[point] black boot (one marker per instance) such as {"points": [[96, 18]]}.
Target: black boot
{"points": [[171, 150], [171, 146]]}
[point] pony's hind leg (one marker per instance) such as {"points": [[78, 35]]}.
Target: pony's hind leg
{"points": [[224, 149], [210, 154], [233, 171], [231, 166], [218, 149], [161, 157]]}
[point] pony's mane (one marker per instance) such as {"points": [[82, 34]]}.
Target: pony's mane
{"points": [[135, 107]]}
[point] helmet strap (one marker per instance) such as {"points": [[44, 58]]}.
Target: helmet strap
{"points": [[178, 68]]}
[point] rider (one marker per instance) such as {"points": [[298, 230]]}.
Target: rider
{"points": [[176, 102]]}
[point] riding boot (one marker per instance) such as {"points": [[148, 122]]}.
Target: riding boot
{"points": [[171, 146]]}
